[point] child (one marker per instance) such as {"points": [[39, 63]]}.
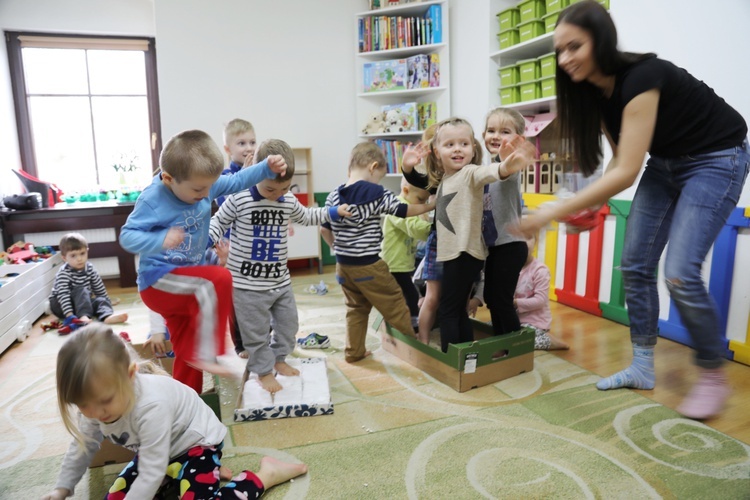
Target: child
{"points": [[263, 296], [506, 252], [78, 294], [239, 144], [173, 432], [169, 229], [363, 276], [432, 271], [532, 300], [399, 247], [460, 247]]}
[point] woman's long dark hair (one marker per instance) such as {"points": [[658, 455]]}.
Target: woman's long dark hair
{"points": [[578, 103]]}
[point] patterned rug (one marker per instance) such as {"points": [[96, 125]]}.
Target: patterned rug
{"points": [[398, 433]]}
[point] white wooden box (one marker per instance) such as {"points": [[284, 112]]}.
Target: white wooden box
{"points": [[22, 298]]}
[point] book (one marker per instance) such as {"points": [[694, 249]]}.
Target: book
{"points": [[418, 71], [435, 15], [384, 75], [427, 113], [434, 70], [400, 117]]}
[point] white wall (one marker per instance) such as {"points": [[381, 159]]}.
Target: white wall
{"points": [[288, 70], [288, 66]]}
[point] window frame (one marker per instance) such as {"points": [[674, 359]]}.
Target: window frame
{"points": [[20, 97]]}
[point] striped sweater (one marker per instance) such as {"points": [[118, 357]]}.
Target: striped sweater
{"points": [[357, 238], [258, 241], [68, 278]]}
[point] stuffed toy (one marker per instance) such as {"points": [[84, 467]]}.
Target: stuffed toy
{"points": [[393, 121], [375, 124]]}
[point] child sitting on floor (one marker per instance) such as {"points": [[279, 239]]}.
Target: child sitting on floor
{"points": [[532, 301], [78, 294]]}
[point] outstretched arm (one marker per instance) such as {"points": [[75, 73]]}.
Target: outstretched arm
{"points": [[417, 209], [637, 132]]}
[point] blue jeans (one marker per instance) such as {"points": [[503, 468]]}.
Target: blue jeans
{"points": [[685, 201]]}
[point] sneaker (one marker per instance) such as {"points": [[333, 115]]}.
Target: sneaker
{"points": [[314, 341]]}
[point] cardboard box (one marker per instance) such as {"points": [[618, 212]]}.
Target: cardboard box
{"points": [[302, 407], [470, 364]]}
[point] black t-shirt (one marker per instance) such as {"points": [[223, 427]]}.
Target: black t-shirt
{"points": [[691, 118]]}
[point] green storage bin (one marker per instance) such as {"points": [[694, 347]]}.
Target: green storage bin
{"points": [[530, 30], [508, 75], [547, 65], [510, 95], [551, 6], [508, 19], [528, 70], [550, 20], [530, 10], [548, 87], [530, 91], [508, 38]]}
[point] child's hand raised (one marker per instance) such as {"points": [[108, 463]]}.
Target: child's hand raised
{"points": [[277, 164], [521, 156], [175, 237], [343, 210], [413, 156]]}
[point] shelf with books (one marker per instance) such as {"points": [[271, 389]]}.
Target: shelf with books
{"points": [[411, 70]]}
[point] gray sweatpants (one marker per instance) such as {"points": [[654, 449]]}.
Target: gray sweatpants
{"points": [[257, 312]]}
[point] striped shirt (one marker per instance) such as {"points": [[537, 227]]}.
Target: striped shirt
{"points": [[357, 239], [258, 241], [68, 278]]}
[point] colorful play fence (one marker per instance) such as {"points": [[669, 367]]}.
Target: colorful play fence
{"points": [[586, 274]]}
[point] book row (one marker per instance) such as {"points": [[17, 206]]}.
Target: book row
{"points": [[419, 71], [395, 32]]}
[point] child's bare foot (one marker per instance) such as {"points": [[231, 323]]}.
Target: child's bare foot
{"points": [[225, 473], [116, 318], [354, 360], [242, 354], [284, 369], [557, 344], [269, 383], [215, 369], [273, 472]]}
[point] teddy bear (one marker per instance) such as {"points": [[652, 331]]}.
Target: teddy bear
{"points": [[375, 124], [393, 121]]}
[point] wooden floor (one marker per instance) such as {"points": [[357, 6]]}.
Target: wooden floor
{"points": [[596, 344]]}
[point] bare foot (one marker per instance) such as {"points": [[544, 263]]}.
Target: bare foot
{"points": [[242, 354], [225, 473], [557, 344], [215, 369], [424, 337], [354, 360], [273, 472], [116, 318], [284, 369], [269, 383]]}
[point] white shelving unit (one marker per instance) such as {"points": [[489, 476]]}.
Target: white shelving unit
{"points": [[368, 103], [526, 50], [304, 241]]}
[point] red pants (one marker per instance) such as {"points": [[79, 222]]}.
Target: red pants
{"points": [[196, 302]]}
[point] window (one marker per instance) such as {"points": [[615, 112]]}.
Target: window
{"points": [[87, 109]]}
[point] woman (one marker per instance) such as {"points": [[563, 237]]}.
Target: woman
{"points": [[693, 179]]}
